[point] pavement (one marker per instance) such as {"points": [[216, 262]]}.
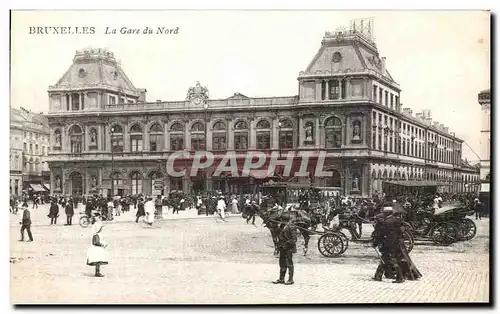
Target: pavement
{"points": [[199, 259]]}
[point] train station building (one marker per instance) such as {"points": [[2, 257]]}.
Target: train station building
{"points": [[348, 106]]}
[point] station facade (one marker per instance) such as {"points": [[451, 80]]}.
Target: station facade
{"points": [[102, 128]]}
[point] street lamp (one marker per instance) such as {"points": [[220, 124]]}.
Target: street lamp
{"points": [[112, 161], [205, 106]]}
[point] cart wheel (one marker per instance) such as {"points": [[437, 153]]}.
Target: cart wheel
{"points": [[330, 245], [470, 229], [443, 234], [84, 222], [345, 241], [408, 240], [458, 227]]}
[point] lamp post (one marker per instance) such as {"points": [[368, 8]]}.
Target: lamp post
{"points": [[112, 161], [205, 106]]}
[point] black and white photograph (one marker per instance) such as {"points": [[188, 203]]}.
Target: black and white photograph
{"points": [[250, 157]]}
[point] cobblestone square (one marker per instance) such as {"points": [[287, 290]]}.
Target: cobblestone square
{"points": [[204, 260]]}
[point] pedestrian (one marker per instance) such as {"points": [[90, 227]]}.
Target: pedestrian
{"points": [[149, 208], [140, 210], [387, 237], [69, 212], [234, 206], [478, 208], [53, 213], [287, 245], [221, 208], [26, 224], [96, 254], [251, 211], [35, 202]]}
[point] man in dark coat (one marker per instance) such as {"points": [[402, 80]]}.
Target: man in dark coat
{"points": [[140, 210], [69, 212], [478, 208], [53, 213], [287, 245], [251, 211], [26, 224], [387, 235]]}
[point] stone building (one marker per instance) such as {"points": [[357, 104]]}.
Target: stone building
{"points": [[29, 146], [348, 105]]}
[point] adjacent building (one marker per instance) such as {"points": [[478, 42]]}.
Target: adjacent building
{"points": [[102, 128], [29, 146]]}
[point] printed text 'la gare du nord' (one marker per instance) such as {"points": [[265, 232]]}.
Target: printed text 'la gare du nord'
{"points": [[137, 31]]}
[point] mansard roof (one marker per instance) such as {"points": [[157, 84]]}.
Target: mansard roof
{"points": [[95, 68], [347, 52]]}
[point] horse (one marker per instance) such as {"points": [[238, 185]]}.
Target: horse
{"points": [[273, 217]]}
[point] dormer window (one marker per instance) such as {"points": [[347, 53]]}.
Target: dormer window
{"points": [[337, 57], [82, 73]]}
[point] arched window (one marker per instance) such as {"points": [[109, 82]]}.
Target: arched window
{"points": [[219, 136], [333, 133], [76, 139], [136, 183], [155, 138], [285, 134], [136, 138], [241, 135], [197, 136], [263, 134], [117, 138], [176, 137]]}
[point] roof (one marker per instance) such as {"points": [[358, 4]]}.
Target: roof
{"points": [[416, 183], [356, 56], [93, 68]]}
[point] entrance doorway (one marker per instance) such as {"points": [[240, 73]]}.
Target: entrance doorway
{"points": [[76, 183]]}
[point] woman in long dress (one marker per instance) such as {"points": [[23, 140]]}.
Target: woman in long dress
{"points": [[96, 254], [234, 206], [221, 208]]}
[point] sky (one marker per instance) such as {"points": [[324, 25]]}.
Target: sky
{"points": [[441, 59]]}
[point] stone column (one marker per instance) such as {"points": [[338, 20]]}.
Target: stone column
{"points": [[187, 135], [230, 134], [300, 130], [252, 136], [145, 136], [327, 87], [166, 137], [340, 89], [318, 90], [85, 138], [107, 136], [317, 137], [274, 133], [348, 88], [208, 139], [375, 131], [70, 101], [99, 99], [85, 188], [126, 139], [99, 178]]}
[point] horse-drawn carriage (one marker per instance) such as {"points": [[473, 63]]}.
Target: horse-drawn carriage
{"points": [[444, 226]]}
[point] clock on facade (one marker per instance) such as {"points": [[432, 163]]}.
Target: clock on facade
{"points": [[197, 100]]}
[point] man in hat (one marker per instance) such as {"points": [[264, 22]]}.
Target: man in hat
{"points": [[251, 211], [387, 237], [287, 245], [26, 224]]}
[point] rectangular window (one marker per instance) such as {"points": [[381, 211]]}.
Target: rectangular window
{"points": [[31, 148], [122, 100], [241, 141], [334, 89], [333, 138], [263, 140], [380, 95], [286, 139], [197, 142], [36, 149], [386, 99], [176, 142], [219, 141], [390, 145], [374, 93], [392, 101], [112, 100], [155, 142], [136, 143]]}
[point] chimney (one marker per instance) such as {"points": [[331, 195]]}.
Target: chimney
{"points": [[446, 129], [436, 124], [441, 126], [407, 111], [418, 115], [142, 94], [382, 63]]}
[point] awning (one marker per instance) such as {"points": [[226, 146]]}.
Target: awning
{"points": [[416, 183], [37, 188]]}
